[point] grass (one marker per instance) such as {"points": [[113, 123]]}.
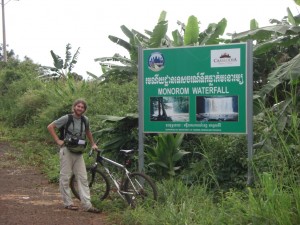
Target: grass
{"points": [[273, 200], [269, 202], [183, 205]]}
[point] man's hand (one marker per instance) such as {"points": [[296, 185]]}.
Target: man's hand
{"points": [[94, 147], [60, 142], [51, 128]]}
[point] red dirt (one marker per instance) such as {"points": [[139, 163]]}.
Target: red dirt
{"points": [[26, 197]]}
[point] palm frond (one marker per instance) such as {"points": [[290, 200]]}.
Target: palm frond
{"points": [[115, 58], [91, 75], [162, 16], [120, 42], [127, 32], [178, 39], [74, 60], [68, 56], [289, 71], [158, 34], [192, 31], [212, 33], [253, 24], [57, 60], [140, 36]]}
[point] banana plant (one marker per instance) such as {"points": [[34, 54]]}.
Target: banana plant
{"points": [[284, 33], [276, 75], [62, 69], [276, 56], [119, 68], [191, 32], [212, 34], [122, 133], [166, 154]]}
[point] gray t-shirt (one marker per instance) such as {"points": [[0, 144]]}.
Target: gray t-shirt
{"points": [[74, 128]]}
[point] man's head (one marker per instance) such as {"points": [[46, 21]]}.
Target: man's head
{"points": [[79, 106]]}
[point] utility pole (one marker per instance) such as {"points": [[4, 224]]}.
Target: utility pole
{"points": [[4, 34], [3, 29]]}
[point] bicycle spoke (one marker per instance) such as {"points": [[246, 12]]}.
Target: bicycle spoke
{"points": [[140, 190], [98, 185]]}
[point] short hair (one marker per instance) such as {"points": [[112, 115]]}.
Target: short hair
{"points": [[78, 101]]}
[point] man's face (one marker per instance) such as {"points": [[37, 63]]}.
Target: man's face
{"points": [[79, 109]]}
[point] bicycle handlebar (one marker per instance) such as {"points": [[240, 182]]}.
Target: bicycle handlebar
{"points": [[92, 151]]}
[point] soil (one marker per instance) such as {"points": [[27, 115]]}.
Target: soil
{"points": [[26, 197]]}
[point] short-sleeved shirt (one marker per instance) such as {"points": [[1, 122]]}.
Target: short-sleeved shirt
{"points": [[74, 128]]}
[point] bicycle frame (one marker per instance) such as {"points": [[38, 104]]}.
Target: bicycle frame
{"points": [[134, 187], [126, 173]]}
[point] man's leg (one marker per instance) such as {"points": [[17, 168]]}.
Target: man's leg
{"points": [[66, 164], [83, 186]]}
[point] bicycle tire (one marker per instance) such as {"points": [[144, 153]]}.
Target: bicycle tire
{"points": [[146, 190], [98, 183]]}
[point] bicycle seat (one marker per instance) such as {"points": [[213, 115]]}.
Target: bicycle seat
{"points": [[127, 151]]}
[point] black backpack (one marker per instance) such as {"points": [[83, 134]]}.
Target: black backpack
{"points": [[64, 129]]}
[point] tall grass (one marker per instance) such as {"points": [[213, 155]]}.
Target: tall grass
{"points": [[214, 190], [180, 204], [273, 200], [272, 203]]}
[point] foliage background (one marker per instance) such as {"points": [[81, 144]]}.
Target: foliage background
{"points": [[201, 178]]}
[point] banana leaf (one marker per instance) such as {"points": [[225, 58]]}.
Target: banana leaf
{"points": [[191, 31]]}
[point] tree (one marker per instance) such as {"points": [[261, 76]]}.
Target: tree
{"points": [[10, 53], [276, 59], [121, 69], [63, 68]]}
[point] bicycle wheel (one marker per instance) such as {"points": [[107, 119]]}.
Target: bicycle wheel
{"points": [[140, 189], [98, 184]]}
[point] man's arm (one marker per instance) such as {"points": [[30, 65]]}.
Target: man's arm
{"points": [[51, 128], [91, 139]]}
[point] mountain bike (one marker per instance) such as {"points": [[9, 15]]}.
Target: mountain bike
{"points": [[134, 187]]}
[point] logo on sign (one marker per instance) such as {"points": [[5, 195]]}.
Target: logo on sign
{"points": [[225, 58], [156, 61]]}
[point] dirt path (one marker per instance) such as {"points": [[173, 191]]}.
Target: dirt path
{"points": [[27, 198]]}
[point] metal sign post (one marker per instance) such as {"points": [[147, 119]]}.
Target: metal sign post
{"points": [[141, 110], [250, 177]]}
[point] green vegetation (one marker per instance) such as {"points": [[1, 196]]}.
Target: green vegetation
{"points": [[164, 156], [62, 68], [205, 186]]}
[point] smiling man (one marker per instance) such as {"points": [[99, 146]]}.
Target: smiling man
{"points": [[72, 144]]}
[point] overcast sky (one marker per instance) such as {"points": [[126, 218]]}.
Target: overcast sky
{"points": [[34, 27]]}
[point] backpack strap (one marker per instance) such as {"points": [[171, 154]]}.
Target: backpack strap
{"points": [[70, 120], [83, 121]]}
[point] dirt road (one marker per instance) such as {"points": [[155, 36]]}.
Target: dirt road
{"points": [[27, 198]]}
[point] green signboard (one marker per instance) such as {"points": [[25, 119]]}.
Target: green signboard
{"points": [[195, 89]]}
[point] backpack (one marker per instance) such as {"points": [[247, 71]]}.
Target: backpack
{"points": [[64, 129]]}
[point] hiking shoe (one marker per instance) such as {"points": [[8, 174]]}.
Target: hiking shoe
{"points": [[93, 210], [71, 207]]}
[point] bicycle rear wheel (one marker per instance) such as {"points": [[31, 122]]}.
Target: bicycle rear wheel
{"points": [[98, 184], [140, 189]]}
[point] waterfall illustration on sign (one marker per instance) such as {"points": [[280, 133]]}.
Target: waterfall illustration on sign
{"points": [[217, 108], [169, 109]]}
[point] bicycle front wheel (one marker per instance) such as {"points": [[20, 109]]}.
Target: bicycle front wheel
{"points": [[98, 184], [139, 189]]}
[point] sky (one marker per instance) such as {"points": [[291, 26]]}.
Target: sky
{"points": [[34, 27]]}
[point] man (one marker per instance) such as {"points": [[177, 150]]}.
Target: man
{"points": [[71, 159]]}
